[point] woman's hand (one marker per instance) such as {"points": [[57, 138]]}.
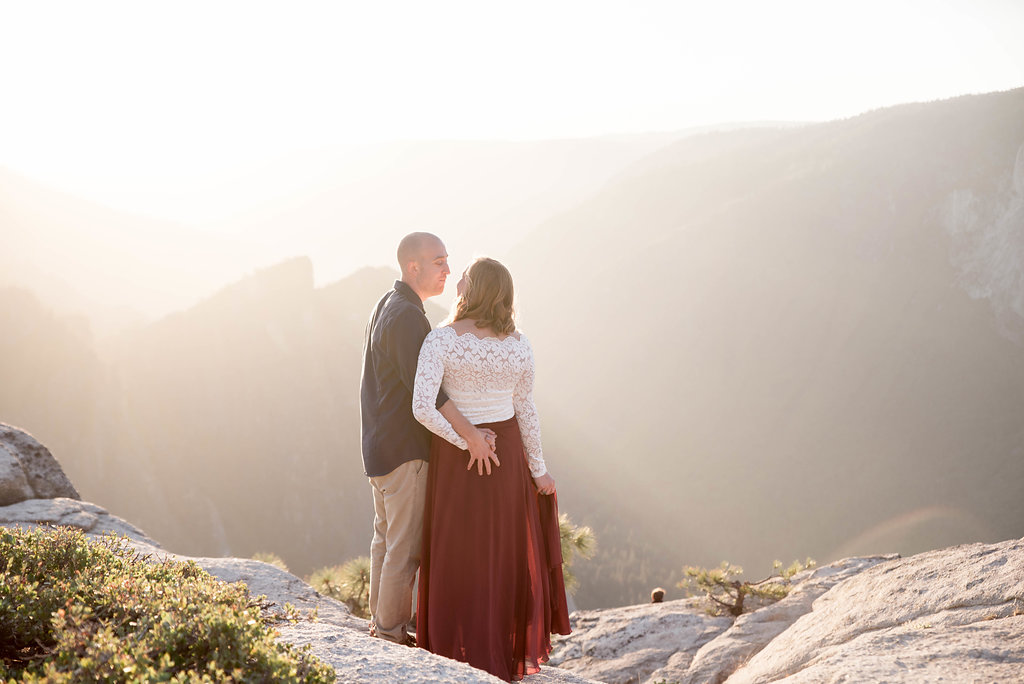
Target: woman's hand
{"points": [[545, 484]]}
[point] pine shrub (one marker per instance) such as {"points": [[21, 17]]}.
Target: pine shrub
{"points": [[73, 609], [726, 593], [348, 583], [576, 541]]}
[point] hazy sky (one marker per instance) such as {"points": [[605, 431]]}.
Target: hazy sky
{"points": [[115, 98]]}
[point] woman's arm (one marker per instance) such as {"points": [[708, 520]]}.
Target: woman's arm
{"points": [[526, 414], [429, 373]]}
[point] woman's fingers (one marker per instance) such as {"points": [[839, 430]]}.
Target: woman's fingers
{"points": [[545, 484]]}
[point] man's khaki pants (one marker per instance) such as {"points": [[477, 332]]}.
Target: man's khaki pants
{"points": [[398, 499]]}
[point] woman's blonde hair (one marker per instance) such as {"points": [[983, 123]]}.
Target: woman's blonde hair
{"points": [[487, 297]]}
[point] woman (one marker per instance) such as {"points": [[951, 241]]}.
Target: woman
{"points": [[491, 589]]}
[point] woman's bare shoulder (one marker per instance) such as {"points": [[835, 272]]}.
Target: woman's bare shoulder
{"points": [[462, 326]]}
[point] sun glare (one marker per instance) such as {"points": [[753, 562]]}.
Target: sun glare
{"points": [[127, 99]]}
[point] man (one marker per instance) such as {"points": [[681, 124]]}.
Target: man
{"points": [[396, 446]]}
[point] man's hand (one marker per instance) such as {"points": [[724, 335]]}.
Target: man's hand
{"points": [[545, 484], [482, 445]]}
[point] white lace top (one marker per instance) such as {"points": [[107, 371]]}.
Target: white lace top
{"points": [[489, 380]]}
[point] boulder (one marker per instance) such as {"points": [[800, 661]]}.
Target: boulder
{"points": [[955, 614], [14, 486], [28, 470]]}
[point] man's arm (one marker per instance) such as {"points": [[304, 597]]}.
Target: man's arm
{"points": [[481, 443], [402, 346]]}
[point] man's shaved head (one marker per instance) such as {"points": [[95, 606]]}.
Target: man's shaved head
{"points": [[424, 263], [412, 246]]}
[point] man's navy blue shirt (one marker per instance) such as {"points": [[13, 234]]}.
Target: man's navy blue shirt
{"points": [[391, 348]]}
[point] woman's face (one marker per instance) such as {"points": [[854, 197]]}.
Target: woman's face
{"points": [[460, 289]]}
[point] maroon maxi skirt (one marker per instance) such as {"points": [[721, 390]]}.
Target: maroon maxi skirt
{"points": [[491, 589]]}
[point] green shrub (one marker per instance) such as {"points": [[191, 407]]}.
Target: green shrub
{"points": [[348, 583], [727, 594], [72, 610], [576, 541]]}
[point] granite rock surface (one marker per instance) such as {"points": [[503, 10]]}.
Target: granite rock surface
{"points": [[625, 645], [952, 614]]}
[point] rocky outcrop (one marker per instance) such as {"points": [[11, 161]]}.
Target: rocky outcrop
{"points": [[753, 631], [28, 470], [679, 642], [955, 614], [86, 516], [625, 645]]}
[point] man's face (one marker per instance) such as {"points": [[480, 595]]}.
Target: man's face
{"points": [[433, 269]]}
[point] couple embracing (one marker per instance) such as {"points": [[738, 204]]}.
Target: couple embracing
{"points": [[471, 505]]}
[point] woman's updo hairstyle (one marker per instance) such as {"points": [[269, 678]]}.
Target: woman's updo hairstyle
{"points": [[487, 297]]}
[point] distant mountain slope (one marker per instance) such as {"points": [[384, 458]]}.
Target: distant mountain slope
{"points": [[343, 207], [51, 378], [239, 418], [788, 343], [113, 267]]}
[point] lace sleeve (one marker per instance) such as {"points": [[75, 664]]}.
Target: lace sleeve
{"points": [[526, 413], [429, 373]]}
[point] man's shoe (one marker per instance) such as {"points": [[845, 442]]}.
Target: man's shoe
{"points": [[409, 640]]}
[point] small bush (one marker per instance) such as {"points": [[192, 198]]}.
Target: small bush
{"points": [[348, 583], [727, 594], [576, 541], [76, 610]]}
